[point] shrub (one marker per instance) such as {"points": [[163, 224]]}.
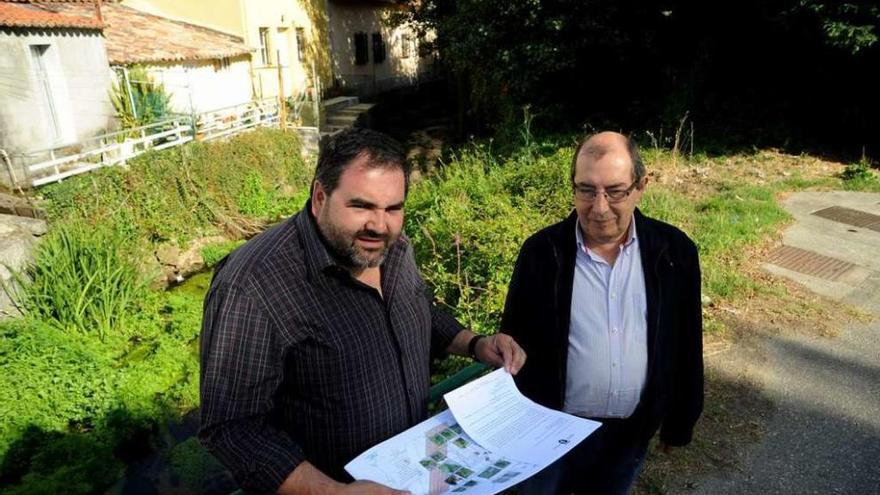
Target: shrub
{"points": [[84, 278], [213, 253], [178, 194], [98, 363], [467, 225], [859, 176]]}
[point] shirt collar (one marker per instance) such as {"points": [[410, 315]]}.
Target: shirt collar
{"points": [[317, 256], [631, 240]]}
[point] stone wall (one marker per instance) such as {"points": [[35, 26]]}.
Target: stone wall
{"points": [[18, 236]]}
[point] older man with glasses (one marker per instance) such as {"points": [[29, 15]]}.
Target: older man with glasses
{"points": [[607, 305]]}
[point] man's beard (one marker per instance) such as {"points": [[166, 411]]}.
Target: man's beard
{"points": [[343, 247]]}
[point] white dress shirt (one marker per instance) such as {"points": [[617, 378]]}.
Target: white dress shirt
{"points": [[607, 342]]}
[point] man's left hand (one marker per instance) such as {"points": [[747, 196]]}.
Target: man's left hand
{"points": [[501, 350]]}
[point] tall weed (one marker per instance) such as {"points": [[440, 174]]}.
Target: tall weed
{"points": [[83, 278]]}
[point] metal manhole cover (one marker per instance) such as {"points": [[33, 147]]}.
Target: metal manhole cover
{"points": [[852, 217], [809, 263]]}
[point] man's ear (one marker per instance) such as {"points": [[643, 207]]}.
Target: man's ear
{"points": [[642, 183], [319, 197]]}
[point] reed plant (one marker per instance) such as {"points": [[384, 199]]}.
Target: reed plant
{"points": [[84, 278]]}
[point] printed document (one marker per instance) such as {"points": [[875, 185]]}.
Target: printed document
{"points": [[491, 438]]}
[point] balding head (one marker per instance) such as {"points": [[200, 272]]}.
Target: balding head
{"points": [[594, 146]]}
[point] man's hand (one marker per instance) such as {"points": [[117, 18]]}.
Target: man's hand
{"points": [[501, 350], [306, 479], [368, 488]]}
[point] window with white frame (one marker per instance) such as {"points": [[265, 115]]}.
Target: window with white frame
{"points": [[264, 46]]}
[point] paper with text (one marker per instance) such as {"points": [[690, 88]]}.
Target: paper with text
{"points": [[441, 456], [497, 416]]}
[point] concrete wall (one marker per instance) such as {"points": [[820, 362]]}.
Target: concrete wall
{"points": [[204, 85], [245, 18], [402, 64], [76, 78], [281, 18]]}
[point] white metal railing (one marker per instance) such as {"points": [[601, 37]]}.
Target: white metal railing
{"points": [[111, 149], [54, 164], [237, 118]]}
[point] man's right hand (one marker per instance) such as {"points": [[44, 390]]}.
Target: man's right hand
{"points": [[369, 488], [306, 479]]}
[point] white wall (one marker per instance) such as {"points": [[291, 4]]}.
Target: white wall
{"points": [[77, 73], [281, 19], [206, 85], [395, 70]]}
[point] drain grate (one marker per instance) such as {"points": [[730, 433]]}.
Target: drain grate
{"points": [[809, 263], [852, 217]]}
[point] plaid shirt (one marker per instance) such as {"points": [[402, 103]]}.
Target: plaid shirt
{"points": [[300, 361]]}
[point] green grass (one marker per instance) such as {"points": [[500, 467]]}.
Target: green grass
{"points": [[860, 176], [99, 363], [84, 278], [176, 195]]}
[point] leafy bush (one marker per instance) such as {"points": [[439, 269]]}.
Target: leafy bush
{"points": [[139, 100], [213, 253], [111, 394], [859, 176], [84, 278], [181, 193], [467, 225], [53, 462], [98, 363]]}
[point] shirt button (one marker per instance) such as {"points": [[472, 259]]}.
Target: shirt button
{"points": [[613, 296], [614, 365], [614, 330]]}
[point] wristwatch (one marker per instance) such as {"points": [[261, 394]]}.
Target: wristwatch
{"points": [[472, 346]]}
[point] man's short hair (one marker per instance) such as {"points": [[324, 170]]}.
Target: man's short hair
{"points": [[597, 150], [339, 151]]}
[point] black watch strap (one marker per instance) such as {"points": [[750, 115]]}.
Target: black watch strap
{"points": [[472, 345]]}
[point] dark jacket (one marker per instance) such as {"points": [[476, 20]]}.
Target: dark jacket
{"points": [[538, 311]]}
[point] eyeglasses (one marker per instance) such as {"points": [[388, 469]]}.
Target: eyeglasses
{"points": [[586, 193]]}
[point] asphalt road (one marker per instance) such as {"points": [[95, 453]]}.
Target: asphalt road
{"points": [[825, 435]]}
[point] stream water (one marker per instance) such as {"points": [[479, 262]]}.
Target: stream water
{"points": [[178, 464]]}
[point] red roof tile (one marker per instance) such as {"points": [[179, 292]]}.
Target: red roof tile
{"points": [[26, 15], [133, 37]]}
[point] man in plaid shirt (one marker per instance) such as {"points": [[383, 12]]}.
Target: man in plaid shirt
{"points": [[318, 333]]}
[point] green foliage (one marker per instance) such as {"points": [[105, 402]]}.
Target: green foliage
{"points": [[99, 362], [851, 26], [193, 464], [467, 225], [105, 396], [147, 102], [213, 253], [859, 176], [197, 189], [257, 199], [84, 278], [52, 462], [644, 65]]}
